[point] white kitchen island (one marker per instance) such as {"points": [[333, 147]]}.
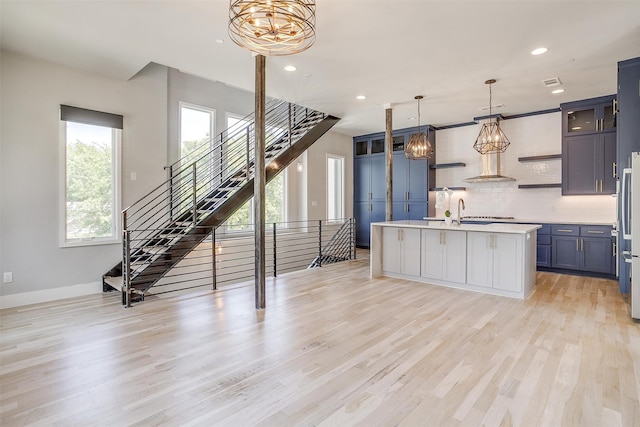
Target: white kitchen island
{"points": [[497, 259]]}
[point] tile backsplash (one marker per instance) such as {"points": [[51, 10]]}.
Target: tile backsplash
{"points": [[529, 136]]}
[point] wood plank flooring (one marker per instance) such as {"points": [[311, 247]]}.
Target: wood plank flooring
{"points": [[333, 348]]}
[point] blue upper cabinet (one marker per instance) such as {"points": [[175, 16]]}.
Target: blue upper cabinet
{"points": [[629, 111], [589, 146], [589, 116]]}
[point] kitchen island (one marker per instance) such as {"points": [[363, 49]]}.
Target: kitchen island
{"points": [[498, 259]]}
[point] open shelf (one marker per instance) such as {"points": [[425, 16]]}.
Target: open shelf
{"points": [[447, 165], [450, 188], [525, 186], [538, 158]]}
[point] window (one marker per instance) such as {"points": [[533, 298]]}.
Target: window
{"points": [[90, 176], [335, 187], [197, 126], [243, 218]]}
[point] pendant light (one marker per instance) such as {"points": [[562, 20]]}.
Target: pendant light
{"points": [[491, 138], [419, 146], [273, 27]]}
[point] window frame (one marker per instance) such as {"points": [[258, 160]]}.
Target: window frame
{"points": [[116, 182], [329, 157], [202, 108]]}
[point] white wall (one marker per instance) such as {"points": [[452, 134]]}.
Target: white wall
{"points": [[529, 136], [31, 93]]}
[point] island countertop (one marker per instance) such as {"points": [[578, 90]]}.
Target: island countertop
{"points": [[501, 227]]}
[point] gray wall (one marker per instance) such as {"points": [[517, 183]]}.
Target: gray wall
{"points": [[31, 92]]}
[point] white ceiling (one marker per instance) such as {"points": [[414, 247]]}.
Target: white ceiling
{"points": [[388, 50]]}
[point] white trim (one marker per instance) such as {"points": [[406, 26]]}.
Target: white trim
{"points": [[343, 190], [116, 139], [47, 295]]}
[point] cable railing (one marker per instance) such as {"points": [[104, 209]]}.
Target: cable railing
{"points": [[203, 180], [225, 258]]}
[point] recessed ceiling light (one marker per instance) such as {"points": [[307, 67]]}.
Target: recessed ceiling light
{"points": [[219, 41], [557, 91], [361, 97], [539, 51], [290, 68]]}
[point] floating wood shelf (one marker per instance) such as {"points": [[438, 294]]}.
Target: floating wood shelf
{"points": [[540, 186], [447, 165], [538, 158], [450, 188]]}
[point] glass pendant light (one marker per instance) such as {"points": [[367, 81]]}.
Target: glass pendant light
{"points": [[419, 146], [491, 138]]}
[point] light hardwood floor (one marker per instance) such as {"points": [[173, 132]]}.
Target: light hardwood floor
{"points": [[333, 348]]}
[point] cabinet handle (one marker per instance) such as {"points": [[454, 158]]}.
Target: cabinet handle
{"points": [[601, 181], [615, 107], [595, 232], [565, 231], [582, 245], [614, 169], [614, 249], [577, 245]]}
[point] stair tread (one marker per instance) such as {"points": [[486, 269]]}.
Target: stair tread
{"points": [[114, 282]]}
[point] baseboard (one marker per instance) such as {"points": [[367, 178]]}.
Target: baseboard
{"points": [[47, 295]]}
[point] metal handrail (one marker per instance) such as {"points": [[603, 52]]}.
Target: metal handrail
{"points": [[202, 180], [228, 258]]}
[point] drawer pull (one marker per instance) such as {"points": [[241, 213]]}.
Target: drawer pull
{"points": [[595, 232], [565, 231]]}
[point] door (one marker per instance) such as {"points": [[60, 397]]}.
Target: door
{"points": [[609, 158], [454, 256], [566, 252], [391, 253], [507, 262], [400, 172], [378, 188], [362, 172], [579, 164], [479, 259], [411, 251], [361, 212], [418, 177], [596, 254], [432, 254]]}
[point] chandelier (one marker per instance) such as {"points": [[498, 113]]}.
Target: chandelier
{"points": [[273, 27], [419, 146], [491, 138]]}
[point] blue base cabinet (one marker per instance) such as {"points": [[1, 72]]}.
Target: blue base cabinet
{"points": [[582, 247], [543, 246]]}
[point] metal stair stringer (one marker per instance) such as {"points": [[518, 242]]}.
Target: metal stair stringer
{"points": [[186, 243]]}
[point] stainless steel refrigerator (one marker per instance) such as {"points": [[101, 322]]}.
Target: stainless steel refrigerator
{"points": [[630, 216]]}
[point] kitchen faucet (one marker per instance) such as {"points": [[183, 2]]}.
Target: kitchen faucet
{"points": [[460, 202]]}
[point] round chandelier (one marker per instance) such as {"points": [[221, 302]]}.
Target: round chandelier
{"points": [[273, 27]]}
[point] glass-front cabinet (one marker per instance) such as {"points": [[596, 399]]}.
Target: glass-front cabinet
{"points": [[589, 116]]}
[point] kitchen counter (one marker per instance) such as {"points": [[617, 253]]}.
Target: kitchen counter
{"points": [[493, 227], [526, 221], [496, 258]]}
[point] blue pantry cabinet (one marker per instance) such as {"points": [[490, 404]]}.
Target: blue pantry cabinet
{"points": [[628, 135], [589, 146], [410, 181]]}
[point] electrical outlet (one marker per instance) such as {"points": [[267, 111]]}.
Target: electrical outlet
{"points": [[314, 203], [134, 176], [7, 277]]}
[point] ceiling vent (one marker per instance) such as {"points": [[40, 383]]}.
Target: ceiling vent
{"points": [[491, 106], [554, 81]]}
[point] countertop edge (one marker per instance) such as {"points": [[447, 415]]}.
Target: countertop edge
{"points": [[509, 228]]}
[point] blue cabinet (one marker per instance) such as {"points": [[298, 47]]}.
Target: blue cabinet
{"points": [[589, 146], [628, 140], [543, 246], [582, 247], [410, 181]]}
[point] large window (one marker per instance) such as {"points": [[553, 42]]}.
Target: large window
{"points": [[274, 190], [197, 126], [335, 187], [90, 176]]}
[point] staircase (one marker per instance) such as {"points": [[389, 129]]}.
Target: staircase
{"points": [[202, 190], [338, 248]]}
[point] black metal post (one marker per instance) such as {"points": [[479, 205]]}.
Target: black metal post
{"points": [[214, 249], [319, 243], [275, 252]]}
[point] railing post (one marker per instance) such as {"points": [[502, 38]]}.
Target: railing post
{"points": [[290, 125], [126, 268], [248, 150], [275, 251], [194, 196], [319, 243], [213, 257], [353, 236], [170, 172]]}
